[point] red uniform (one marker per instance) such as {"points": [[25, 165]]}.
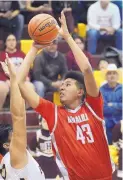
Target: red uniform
{"points": [[80, 139]]}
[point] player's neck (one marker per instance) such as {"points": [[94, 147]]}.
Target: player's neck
{"points": [[11, 50], [74, 105]]}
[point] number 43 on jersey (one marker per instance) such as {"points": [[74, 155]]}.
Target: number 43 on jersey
{"points": [[84, 134]]}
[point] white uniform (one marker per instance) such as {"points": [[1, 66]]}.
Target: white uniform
{"points": [[31, 171]]}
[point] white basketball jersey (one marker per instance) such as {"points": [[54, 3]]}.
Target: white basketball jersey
{"points": [[31, 171]]}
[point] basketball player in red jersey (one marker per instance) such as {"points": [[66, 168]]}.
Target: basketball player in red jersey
{"points": [[77, 126]]}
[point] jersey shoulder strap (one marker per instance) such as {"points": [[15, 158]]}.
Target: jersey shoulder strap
{"points": [[92, 111]]}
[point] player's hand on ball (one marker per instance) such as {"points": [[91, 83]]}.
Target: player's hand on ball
{"points": [[63, 31], [39, 46]]}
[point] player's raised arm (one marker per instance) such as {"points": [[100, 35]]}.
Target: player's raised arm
{"points": [[28, 93], [81, 59], [18, 154], [39, 104]]}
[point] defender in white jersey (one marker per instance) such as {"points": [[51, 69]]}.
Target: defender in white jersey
{"points": [[17, 163]]}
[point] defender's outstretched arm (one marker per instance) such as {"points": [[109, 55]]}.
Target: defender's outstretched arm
{"points": [[18, 153]]}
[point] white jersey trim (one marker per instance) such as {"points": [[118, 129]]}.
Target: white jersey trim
{"points": [[74, 110], [53, 136], [54, 142], [97, 117], [55, 124], [103, 124]]}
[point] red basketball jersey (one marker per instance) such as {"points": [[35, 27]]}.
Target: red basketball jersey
{"points": [[80, 139]]}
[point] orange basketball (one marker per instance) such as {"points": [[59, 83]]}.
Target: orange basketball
{"points": [[42, 29]]}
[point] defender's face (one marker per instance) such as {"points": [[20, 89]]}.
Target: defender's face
{"points": [[112, 77], [69, 92]]}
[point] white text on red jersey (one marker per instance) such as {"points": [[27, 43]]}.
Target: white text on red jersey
{"points": [[77, 119]]}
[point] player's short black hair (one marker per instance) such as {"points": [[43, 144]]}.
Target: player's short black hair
{"points": [[78, 76], [5, 130]]}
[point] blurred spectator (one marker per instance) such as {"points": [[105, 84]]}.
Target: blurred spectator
{"points": [[71, 59], [103, 21], [10, 18], [35, 7], [58, 6], [119, 3], [112, 95], [103, 64], [113, 56], [42, 152], [118, 142], [79, 11], [117, 132], [22, 4], [99, 74], [48, 65], [17, 57]]}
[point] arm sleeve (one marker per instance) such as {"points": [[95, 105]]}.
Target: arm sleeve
{"points": [[92, 19], [64, 68], [116, 19], [38, 72], [47, 110], [96, 104]]}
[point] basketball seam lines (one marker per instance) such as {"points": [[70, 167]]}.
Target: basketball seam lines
{"points": [[39, 25], [46, 32], [42, 42], [46, 42]]}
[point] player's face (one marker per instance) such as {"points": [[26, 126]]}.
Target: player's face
{"points": [[80, 44], [112, 77], [11, 42], [69, 92]]}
